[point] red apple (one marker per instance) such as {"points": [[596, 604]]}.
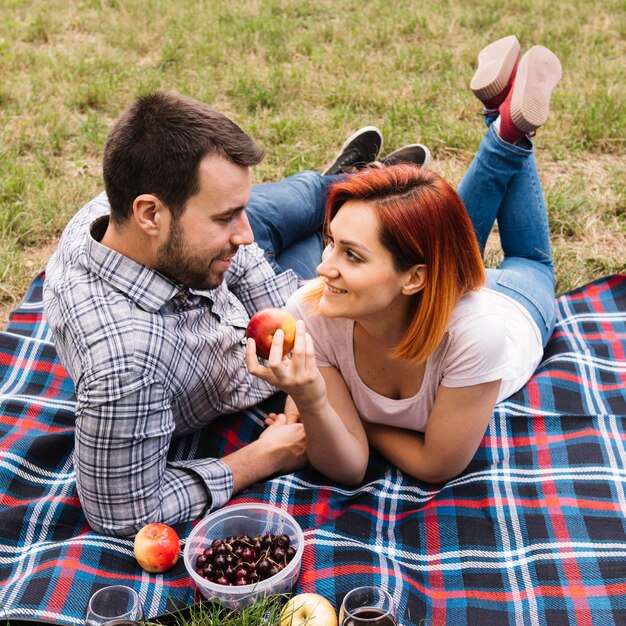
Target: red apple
{"points": [[157, 548], [265, 323]]}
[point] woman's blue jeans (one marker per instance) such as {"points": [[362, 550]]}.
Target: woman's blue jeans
{"points": [[502, 184]]}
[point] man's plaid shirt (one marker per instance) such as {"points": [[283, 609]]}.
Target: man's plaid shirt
{"points": [[150, 360]]}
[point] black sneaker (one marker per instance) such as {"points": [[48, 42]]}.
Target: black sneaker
{"points": [[360, 149], [413, 153]]}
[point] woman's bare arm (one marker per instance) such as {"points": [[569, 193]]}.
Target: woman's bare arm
{"points": [[455, 428], [336, 441]]}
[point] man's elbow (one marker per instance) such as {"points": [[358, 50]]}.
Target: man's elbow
{"points": [[112, 523], [109, 513], [111, 528]]}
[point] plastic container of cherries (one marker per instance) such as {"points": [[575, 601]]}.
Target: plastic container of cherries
{"points": [[243, 552]]}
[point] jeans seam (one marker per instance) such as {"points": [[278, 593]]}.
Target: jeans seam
{"points": [[536, 189]]}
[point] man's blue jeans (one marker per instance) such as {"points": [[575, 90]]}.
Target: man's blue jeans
{"points": [[287, 218], [502, 183]]}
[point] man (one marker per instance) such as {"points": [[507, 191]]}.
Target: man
{"points": [[148, 296]]}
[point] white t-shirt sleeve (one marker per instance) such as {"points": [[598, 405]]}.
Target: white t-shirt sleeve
{"points": [[477, 352]]}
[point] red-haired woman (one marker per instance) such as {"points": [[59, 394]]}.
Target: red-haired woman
{"points": [[404, 340]]}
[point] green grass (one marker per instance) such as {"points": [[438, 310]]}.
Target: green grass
{"points": [[266, 611], [300, 75]]}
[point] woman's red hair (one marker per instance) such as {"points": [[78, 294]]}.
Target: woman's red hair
{"points": [[422, 220]]}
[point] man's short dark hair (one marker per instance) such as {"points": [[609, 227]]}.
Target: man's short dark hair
{"points": [[156, 147]]}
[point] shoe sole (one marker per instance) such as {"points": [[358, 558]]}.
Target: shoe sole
{"points": [[350, 139], [538, 74], [427, 155], [495, 66], [358, 133]]}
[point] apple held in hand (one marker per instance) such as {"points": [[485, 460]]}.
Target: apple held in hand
{"points": [[310, 609], [265, 323], [157, 548]]}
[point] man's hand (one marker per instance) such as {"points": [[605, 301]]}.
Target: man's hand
{"points": [[280, 449]]}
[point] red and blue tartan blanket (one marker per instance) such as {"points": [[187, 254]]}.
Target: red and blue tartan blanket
{"points": [[532, 533]]}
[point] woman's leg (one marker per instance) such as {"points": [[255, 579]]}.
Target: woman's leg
{"points": [[527, 273], [487, 178], [502, 182]]}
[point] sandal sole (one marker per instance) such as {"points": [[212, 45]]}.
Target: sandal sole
{"points": [[495, 66]]}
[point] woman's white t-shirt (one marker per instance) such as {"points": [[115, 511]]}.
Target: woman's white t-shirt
{"points": [[490, 336]]}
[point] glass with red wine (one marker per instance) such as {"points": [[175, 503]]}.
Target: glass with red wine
{"points": [[367, 606]]}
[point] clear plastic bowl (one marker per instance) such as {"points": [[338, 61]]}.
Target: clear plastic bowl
{"points": [[251, 519]]}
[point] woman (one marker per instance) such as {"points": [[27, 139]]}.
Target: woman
{"points": [[410, 343]]}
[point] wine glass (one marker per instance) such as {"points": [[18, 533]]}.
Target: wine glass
{"points": [[117, 605], [367, 606]]}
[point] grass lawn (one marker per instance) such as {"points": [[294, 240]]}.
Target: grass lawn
{"points": [[299, 76]]}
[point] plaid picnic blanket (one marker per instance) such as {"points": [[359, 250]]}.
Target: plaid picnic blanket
{"points": [[533, 532]]}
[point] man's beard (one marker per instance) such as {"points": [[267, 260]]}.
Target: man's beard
{"points": [[175, 260]]}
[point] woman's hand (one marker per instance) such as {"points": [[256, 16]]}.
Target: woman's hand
{"points": [[296, 374], [290, 414], [336, 444]]}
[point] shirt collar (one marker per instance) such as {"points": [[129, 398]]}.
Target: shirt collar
{"points": [[149, 289]]}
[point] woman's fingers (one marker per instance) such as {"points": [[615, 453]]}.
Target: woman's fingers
{"points": [[254, 367], [298, 344], [252, 360], [276, 351], [310, 352], [287, 365], [298, 354], [290, 373]]}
